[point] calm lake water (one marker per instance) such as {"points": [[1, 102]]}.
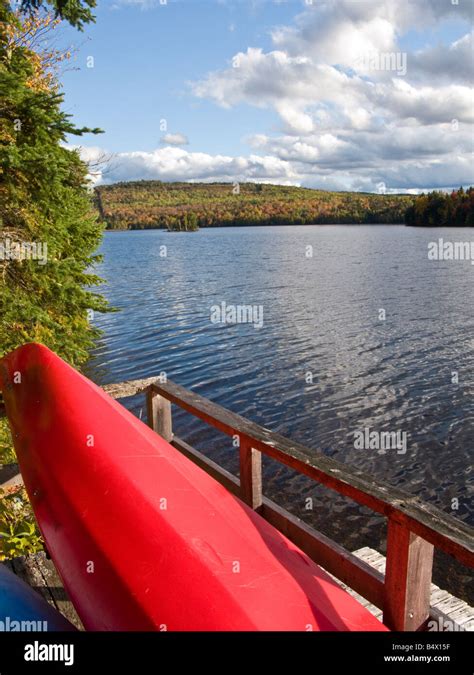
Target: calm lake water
{"points": [[324, 364]]}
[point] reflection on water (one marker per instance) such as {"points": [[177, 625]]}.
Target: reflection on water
{"points": [[324, 364]]}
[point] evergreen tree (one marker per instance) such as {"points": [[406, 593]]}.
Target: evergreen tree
{"points": [[44, 203], [76, 12], [46, 286], [438, 209]]}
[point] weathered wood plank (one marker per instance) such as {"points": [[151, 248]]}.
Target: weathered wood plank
{"points": [[463, 614], [438, 596], [250, 475], [462, 618], [449, 605], [409, 566], [159, 415], [27, 569], [373, 609], [10, 476], [41, 575], [128, 388], [55, 585]]}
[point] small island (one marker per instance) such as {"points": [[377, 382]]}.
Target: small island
{"points": [[188, 224]]}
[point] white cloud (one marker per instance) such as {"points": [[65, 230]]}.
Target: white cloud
{"points": [[296, 88], [405, 159], [172, 164], [390, 118], [446, 63], [175, 139], [332, 36], [345, 122], [426, 104], [293, 86]]}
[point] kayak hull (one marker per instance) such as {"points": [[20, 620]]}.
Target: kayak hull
{"points": [[143, 538]]}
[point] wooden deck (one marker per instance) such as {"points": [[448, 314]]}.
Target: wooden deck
{"points": [[414, 529], [40, 573], [9, 476], [449, 612]]}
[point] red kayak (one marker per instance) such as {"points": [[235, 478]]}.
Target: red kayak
{"points": [[142, 538]]}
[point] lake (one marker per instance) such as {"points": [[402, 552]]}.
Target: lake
{"points": [[359, 330]]}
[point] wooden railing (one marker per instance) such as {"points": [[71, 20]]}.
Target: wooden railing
{"points": [[414, 527]]}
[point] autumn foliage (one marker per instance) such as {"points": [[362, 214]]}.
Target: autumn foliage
{"points": [[439, 209], [154, 204]]}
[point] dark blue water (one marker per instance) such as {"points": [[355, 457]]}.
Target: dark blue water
{"points": [[323, 365]]}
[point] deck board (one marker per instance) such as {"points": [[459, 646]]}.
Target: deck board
{"points": [[39, 572], [9, 476], [453, 609]]}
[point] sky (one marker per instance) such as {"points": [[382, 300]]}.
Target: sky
{"points": [[366, 95]]}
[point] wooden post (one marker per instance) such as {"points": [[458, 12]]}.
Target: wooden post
{"points": [[250, 474], [159, 414], [407, 579]]}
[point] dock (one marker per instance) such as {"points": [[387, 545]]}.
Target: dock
{"points": [[397, 589], [446, 611]]}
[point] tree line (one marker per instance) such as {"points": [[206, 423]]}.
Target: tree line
{"points": [[156, 204], [440, 209]]}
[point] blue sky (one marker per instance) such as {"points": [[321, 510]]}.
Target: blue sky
{"points": [[144, 56], [294, 100]]}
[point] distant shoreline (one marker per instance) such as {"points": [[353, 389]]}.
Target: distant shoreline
{"points": [[188, 206], [227, 227]]}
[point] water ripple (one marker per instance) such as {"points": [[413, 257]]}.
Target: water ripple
{"points": [[323, 365]]}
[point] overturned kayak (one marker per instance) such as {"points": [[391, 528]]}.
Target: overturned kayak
{"points": [[143, 538], [22, 609]]}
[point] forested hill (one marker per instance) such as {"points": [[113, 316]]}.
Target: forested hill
{"points": [[438, 209], [153, 204]]}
